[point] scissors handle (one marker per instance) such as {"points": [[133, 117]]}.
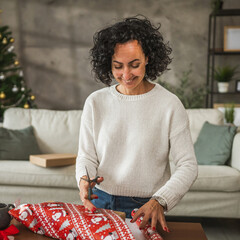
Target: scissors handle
{"points": [[89, 193]]}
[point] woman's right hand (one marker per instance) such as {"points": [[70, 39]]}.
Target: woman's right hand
{"points": [[84, 193]]}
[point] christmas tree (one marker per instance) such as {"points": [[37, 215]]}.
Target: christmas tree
{"points": [[13, 89]]}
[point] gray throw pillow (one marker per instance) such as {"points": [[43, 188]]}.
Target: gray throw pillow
{"points": [[214, 144], [17, 144]]}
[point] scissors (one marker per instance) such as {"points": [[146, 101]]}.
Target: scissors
{"points": [[90, 181]]}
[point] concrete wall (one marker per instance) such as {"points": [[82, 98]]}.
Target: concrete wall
{"points": [[53, 38]]}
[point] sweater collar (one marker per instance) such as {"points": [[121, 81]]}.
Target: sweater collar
{"points": [[114, 91]]}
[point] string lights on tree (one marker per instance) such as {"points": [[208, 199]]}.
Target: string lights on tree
{"points": [[13, 89]]}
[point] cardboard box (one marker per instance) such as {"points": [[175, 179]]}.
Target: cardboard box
{"points": [[53, 160], [121, 215]]}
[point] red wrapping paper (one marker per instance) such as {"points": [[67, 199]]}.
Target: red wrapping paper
{"points": [[148, 233], [71, 222]]}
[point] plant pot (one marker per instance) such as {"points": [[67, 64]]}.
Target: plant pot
{"points": [[230, 124], [217, 5], [223, 87]]}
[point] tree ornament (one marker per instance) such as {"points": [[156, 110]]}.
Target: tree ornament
{"points": [[26, 105], [32, 97], [2, 95], [2, 76], [11, 49], [4, 41], [15, 89]]}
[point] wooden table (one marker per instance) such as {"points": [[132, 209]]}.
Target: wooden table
{"points": [[184, 231], [179, 231]]}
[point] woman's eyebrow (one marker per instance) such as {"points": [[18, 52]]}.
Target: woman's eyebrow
{"points": [[129, 62]]}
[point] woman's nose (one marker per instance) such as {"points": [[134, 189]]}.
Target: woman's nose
{"points": [[126, 74]]}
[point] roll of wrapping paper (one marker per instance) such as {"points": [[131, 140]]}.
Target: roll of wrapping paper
{"points": [[147, 231]]}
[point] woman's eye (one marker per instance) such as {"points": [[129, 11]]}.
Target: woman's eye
{"points": [[117, 67], [135, 66]]}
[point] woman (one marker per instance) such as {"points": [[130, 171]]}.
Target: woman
{"points": [[128, 130]]}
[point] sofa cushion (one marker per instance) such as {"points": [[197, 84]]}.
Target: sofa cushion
{"points": [[214, 178], [217, 178], [214, 144], [197, 117], [55, 131], [17, 144], [23, 173], [235, 159]]}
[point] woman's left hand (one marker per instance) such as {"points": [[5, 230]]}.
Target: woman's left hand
{"points": [[151, 210]]}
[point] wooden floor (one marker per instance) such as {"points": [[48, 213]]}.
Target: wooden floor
{"points": [[215, 228]]}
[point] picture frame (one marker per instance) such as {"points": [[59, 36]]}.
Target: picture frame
{"points": [[231, 38], [237, 86]]}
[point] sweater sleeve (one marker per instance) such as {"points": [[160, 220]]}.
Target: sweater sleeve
{"points": [[87, 156], [183, 156]]}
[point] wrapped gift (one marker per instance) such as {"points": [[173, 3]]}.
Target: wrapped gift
{"points": [[71, 221]]}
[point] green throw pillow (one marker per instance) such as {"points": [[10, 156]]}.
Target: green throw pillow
{"points": [[17, 144], [214, 144]]}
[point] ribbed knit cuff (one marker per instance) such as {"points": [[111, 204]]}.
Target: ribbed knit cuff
{"points": [[169, 198]]}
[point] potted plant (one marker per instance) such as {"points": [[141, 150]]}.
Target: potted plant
{"points": [[229, 113], [190, 95], [223, 75], [216, 5]]}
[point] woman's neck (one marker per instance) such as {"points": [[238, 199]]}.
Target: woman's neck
{"points": [[142, 88]]}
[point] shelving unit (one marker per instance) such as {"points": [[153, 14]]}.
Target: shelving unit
{"points": [[213, 51]]}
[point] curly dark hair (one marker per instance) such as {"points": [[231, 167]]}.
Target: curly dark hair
{"points": [[133, 28]]}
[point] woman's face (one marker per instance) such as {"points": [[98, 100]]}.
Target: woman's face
{"points": [[129, 66]]}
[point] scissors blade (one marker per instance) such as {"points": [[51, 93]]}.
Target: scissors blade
{"points": [[87, 174], [89, 187]]}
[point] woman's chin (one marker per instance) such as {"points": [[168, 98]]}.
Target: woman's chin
{"points": [[130, 83]]}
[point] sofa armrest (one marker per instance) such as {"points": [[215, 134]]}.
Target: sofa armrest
{"points": [[235, 159]]}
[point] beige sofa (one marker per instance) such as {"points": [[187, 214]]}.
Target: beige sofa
{"points": [[216, 192]]}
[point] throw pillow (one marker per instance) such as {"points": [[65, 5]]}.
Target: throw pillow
{"points": [[71, 221], [17, 144], [214, 144]]}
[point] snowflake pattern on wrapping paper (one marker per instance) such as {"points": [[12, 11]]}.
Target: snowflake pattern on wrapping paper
{"points": [[71, 222]]}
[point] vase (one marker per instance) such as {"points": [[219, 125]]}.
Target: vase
{"points": [[223, 87]]}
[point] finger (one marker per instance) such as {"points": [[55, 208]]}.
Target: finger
{"points": [[144, 222], [136, 216], [89, 206], [161, 219], [154, 222], [99, 180], [94, 196]]}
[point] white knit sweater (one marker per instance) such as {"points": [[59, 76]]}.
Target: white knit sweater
{"points": [[127, 139]]}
